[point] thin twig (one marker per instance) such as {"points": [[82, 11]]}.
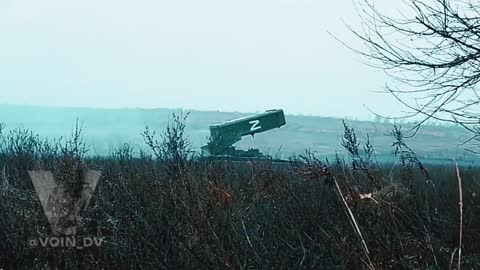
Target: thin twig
{"points": [[246, 234], [354, 224], [452, 258], [460, 204], [250, 242]]}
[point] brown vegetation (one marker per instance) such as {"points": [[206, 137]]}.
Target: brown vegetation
{"points": [[171, 209]]}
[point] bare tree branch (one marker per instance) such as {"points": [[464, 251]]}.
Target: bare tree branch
{"points": [[432, 53]]}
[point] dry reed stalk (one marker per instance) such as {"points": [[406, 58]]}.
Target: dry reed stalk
{"points": [[460, 204], [354, 224]]}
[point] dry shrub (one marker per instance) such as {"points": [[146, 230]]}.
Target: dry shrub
{"points": [[169, 209]]}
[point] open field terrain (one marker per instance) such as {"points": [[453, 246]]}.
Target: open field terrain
{"points": [[166, 208], [107, 129]]}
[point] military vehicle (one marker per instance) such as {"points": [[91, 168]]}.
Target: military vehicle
{"points": [[224, 135]]}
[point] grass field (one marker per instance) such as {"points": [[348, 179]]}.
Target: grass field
{"points": [[168, 208]]}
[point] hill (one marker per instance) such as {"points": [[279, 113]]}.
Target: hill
{"points": [[106, 129]]}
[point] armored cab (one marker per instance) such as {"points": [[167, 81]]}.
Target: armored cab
{"points": [[224, 135]]}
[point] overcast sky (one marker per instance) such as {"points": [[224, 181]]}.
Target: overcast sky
{"points": [[245, 55]]}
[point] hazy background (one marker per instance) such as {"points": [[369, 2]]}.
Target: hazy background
{"points": [[212, 55], [241, 56]]}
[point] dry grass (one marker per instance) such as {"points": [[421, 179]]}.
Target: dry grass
{"points": [[170, 209]]}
